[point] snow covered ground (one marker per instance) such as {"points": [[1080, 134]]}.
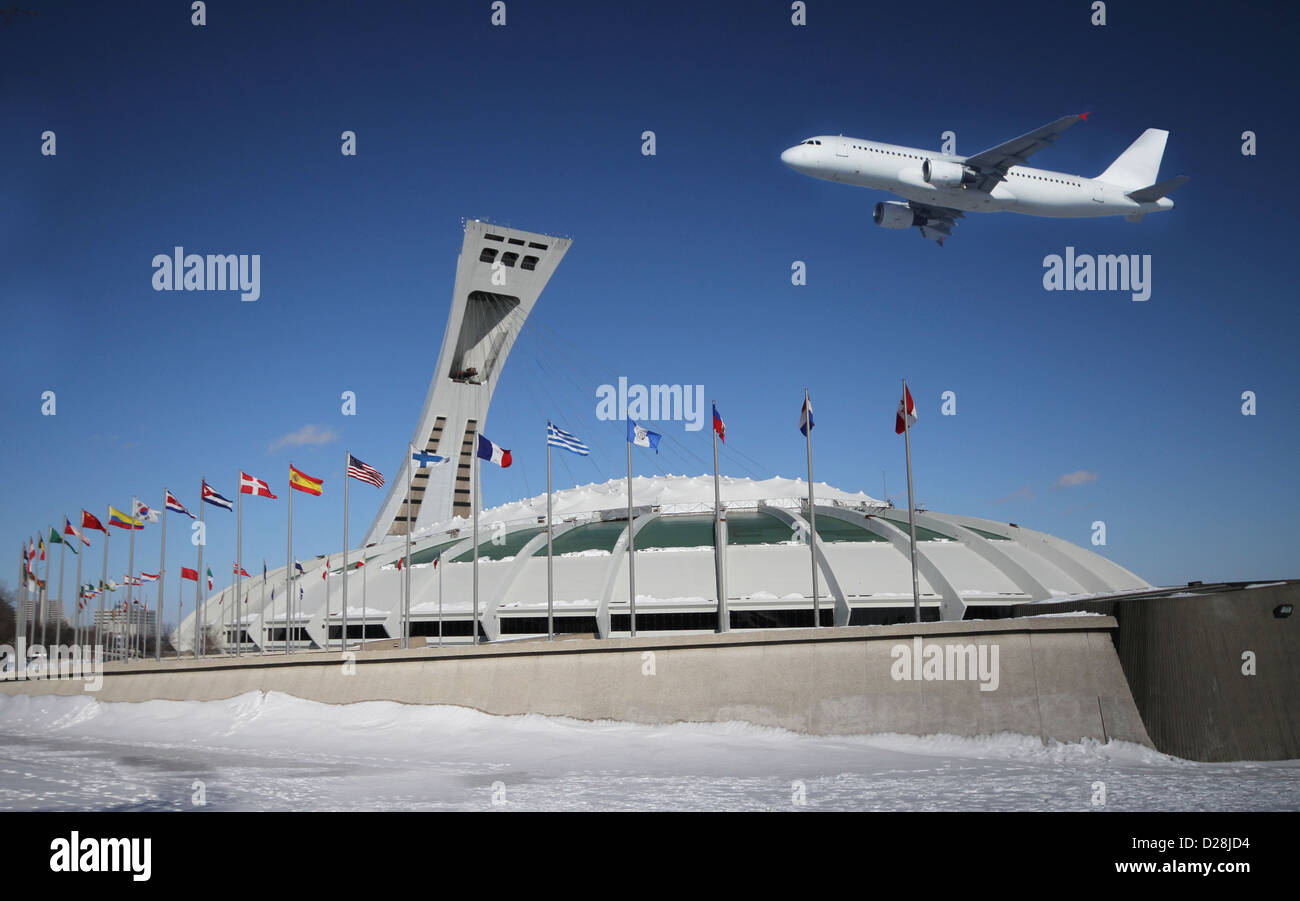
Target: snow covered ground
{"points": [[275, 752]]}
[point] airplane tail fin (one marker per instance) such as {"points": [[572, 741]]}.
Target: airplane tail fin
{"points": [[1138, 166], [1156, 191]]}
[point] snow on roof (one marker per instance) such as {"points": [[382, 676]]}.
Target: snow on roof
{"points": [[671, 490]]}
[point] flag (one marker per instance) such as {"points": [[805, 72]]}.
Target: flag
{"points": [[298, 566], [69, 530], [326, 570], [211, 497], [303, 482], [42, 550], [238, 570], [149, 577], [56, 538], [558, 437], [718, 425], [250, 485], [423, 460], [191, 574], [119, 519], [399, 564], [209, 578], [642, 437], [360, 563], [493, 453], [143, 512], [88, 521], [113, 586], [359, 470], [176, 506], [263, 569], [905, 402], [805, 416]]}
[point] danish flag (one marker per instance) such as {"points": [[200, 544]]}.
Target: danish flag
{"points": [[250, 485]]}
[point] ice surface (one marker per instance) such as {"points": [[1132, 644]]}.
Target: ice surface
{"points": [[272, 751]]}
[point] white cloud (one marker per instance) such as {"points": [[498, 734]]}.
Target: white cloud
{"points": [[308, 434], [1078, 477]]}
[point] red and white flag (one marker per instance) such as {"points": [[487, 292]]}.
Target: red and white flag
{"points": [[250, 485], [239, 571], [905, 407]]}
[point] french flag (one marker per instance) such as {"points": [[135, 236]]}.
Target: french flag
{"points": [[493, 453]]}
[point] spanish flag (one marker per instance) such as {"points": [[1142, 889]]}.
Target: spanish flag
{"points": [[304, 482], [117, 518]]}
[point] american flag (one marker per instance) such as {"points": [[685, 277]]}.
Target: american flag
{"points": [[359, 470]]}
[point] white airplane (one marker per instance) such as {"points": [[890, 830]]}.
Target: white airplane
{"points": [[941, 188]]}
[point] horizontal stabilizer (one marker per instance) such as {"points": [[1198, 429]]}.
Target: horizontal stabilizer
{"points": [[1152, 193]]}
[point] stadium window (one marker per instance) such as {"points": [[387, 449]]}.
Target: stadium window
{"points": [[494, 237], [518, 241], [529, 263], [508, 258], [488, 255]]}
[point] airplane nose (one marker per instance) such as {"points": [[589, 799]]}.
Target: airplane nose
{"points": [[790, 155]]}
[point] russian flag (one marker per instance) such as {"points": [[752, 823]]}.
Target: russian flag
{"points": [[493, 453], [718, 425]]}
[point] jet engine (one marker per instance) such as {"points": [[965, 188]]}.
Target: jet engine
{"points": [[943, 174], [893, 214]]}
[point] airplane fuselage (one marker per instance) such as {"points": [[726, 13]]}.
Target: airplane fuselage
{"points": [[899, 170]]}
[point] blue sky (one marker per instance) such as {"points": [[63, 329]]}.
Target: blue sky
{"points": [[225, 139]]}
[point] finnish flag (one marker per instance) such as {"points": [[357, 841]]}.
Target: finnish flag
{"points": [[641, 436]]}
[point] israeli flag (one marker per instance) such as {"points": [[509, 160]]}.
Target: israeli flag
{"points": [[642, 437]]}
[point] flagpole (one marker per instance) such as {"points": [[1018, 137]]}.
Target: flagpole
{"points": [[103, 585], [812, 519], [343, 641], [239, 565], [76, 629], [130, 582], [58, 625], [180, 594], [288, 576], [911, 505], [364, 578], [198, 582], [477, 499], [406, 578], [45, 592], [162, 583], [440, 569], [631, 549], [261, 617], [550, 579], [719, 548]]}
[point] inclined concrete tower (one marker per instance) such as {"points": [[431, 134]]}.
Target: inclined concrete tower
{"points": [[499, 276]]}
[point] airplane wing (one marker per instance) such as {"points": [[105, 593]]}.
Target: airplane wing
{"points": [[935, 222], [992, 164]]}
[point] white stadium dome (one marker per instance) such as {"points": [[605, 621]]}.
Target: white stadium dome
{"points": [[968, 567]]}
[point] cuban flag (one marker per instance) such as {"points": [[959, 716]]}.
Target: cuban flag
{"points": [[493, 453], [642, 437], [806, 417], [905, 408], [176, 506], [216, 500], [719, 426]]}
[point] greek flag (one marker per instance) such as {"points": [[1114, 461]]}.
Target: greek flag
{"points": [[558, 437]]}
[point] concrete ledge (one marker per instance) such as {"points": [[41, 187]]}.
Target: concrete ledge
{"points": [[1057, 677]]}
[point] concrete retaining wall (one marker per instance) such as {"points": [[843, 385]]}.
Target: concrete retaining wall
{"points": [[1183, 659], [1057, 678]]}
